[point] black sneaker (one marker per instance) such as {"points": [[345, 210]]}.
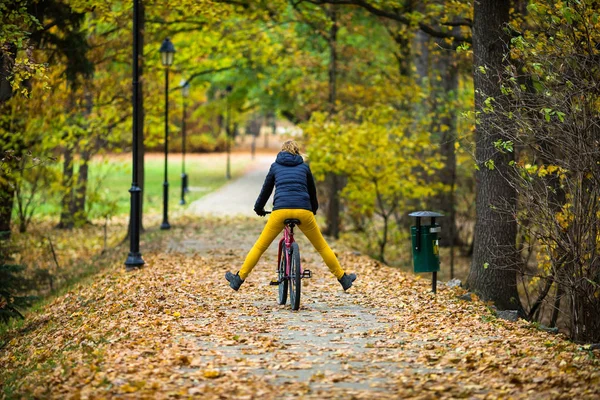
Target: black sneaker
{"points": [[346, 281], [234, 280]]}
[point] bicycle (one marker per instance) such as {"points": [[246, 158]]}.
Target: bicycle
{"points": [[289, 269]]}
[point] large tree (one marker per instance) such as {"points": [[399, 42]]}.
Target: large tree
{"points": [[16, 24], [495, 262]]}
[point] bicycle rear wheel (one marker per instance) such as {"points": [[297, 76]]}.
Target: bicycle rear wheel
{"points": [[283, 282], [295, 277]]}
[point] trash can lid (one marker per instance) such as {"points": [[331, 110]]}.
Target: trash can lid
{"points": [[425, 214]]}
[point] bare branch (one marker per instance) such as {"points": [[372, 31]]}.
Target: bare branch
{"points": [[430, 30]]}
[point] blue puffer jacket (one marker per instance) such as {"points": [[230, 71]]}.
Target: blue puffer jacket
{"points": [[293, 182]]}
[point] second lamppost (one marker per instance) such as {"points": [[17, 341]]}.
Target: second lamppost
{"points": [[167, 53], [185, 92]]}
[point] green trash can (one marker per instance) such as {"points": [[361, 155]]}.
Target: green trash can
{"points": [[425, 245], [426, 256]]}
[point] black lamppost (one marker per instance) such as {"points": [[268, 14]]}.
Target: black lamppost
{"points": [[228, 90], [185, 92], [134, 258], [167, 52]]}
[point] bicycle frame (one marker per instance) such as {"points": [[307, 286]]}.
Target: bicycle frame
{"points": [[286, 246], [288, 239]]}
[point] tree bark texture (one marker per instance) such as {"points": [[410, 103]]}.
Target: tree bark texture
{"points": [[332, 59], [85, 154], [493, 269], [7, 62], [420, 57], [444, 93], [80, 192], [7, 186], [7, 196], [66, 215], [333, 181], [334, 186]]}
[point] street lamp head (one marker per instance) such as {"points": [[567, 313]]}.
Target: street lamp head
{"points": [[167, 52], [185, 87]]}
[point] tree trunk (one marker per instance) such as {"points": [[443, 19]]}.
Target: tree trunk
{"points": [[85, 153], [8, 54], [7, 187], [81, 188], [266, 122], [332, 59], [444, 93], [384, 237], [420, 57], [7, 197], [493, 269], [66, 217], [333, 180], [557, 300], [420, 48], [586, 317]]}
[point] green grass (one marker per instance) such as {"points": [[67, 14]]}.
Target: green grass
{"points": [[110, 180]]}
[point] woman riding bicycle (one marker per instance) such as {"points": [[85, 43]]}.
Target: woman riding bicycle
{"points": [[295, 197]]}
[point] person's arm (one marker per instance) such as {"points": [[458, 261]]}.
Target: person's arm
{"points": [[312, 190], [265, 193]]}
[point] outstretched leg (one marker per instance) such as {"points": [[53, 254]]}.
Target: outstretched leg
{"points": [[310, 228], [273, 228]]}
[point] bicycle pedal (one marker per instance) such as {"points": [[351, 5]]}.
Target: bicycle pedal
{"points": [[306, 273], [274, 283]]}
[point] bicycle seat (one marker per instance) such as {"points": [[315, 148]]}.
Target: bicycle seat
{"points": [[291, 221]]}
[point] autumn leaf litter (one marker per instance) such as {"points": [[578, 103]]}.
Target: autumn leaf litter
{"points": [[175, 329]]}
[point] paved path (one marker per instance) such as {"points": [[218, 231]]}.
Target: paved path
{"points": [[326, 349], [237, 197], [312, 338]]}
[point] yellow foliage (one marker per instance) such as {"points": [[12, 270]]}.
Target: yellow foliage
{"points": [[385, 158]]}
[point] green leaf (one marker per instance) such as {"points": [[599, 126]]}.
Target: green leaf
{"points": [[463, 48], [504, 145]]}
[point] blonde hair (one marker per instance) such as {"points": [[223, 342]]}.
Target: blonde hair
{"points": [[291, 147]]}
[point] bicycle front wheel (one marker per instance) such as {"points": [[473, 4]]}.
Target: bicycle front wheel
{"points": [[283, 282], [295, 277]]}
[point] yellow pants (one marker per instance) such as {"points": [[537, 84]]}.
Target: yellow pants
{"points": [[274, 227]]}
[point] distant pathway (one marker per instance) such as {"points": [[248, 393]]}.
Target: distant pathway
{"points": [[238, 196]]}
